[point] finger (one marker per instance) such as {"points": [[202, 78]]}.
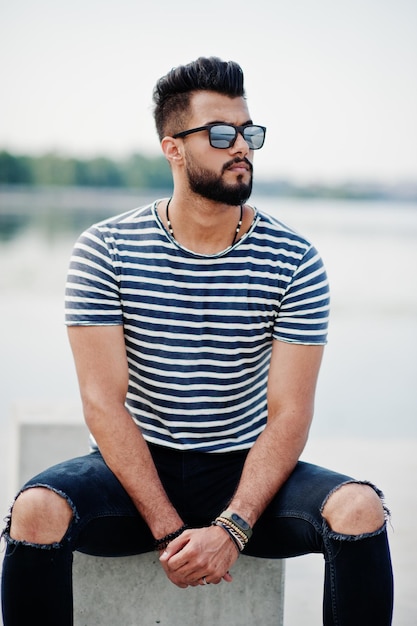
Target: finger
{"points": [[174, 547], [180, 585], [174, 560], [228, 578]]}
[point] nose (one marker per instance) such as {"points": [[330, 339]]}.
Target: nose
{"points": [[240, 145]]}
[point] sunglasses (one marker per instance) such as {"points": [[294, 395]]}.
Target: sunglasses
{"points": [[224, 135]]}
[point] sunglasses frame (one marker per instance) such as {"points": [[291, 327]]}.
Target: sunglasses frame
{"points": [[237, 129]]}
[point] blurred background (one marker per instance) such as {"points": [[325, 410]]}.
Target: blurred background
{"points": [[336, 85]]}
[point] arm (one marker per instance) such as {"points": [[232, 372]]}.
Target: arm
{"points": [[291, 388], [292, 382], [101, 364]]}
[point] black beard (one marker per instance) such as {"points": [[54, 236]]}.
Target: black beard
{"points": [[212, 187]]}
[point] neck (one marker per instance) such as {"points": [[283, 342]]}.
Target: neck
{"points": [[236, 231], [204, 227]]}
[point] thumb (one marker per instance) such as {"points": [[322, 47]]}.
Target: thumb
{"points": [[173, 547]]}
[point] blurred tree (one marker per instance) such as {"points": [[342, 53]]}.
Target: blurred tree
{"points": [[14, 170], [99, 172], [137, 171], [53, 169], [141, 171]]}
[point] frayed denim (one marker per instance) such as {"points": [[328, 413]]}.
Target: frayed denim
{"points": [[37, 579]]}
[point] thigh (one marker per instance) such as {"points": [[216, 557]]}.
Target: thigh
{"points": [[292, 524], [105, 521]]}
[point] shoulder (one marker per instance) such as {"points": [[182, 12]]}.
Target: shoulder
{"points": [[118, 229], [270, 228], [278, 243], [132, 219]]}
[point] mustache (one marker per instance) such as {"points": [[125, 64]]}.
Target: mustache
{"points": [[237, 160]]}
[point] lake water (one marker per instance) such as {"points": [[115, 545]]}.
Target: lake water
{"points": [[366, 405]]}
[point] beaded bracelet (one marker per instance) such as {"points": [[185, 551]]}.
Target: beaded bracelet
{"points": [[161, 544], [237, 531]]}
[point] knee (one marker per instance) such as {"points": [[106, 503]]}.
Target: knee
{"points": [[40, 516], [354, 509]]}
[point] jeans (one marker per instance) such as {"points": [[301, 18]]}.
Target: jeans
{"points": [[37, 579]]}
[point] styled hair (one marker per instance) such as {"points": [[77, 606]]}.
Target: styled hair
{"points": [[172, 92]]}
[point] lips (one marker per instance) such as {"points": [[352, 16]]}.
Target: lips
{"points": [[238, 165]]}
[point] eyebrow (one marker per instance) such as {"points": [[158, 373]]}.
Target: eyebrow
{"points": [[248, 123]]}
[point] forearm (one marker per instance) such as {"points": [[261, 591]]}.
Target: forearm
{"points": [[268, 465], [292, 381], [102, 369], [127, 455]]}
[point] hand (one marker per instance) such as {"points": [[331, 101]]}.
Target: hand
{"points": [[199, 553]]}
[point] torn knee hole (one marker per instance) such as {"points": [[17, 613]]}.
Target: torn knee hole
{"points": [[354, 508], [40, 515]]}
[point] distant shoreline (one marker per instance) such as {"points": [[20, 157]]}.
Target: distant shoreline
{"points": [[142, 172], [14, 196]]}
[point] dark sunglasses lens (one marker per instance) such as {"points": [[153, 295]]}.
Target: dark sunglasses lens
{"points": [[254, 136], [222, 136]]}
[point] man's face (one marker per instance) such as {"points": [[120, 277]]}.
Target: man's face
{"points": [[222, 175]]}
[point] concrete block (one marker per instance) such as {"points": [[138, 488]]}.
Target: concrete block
{"points": [[44, 435], [134, 590]]}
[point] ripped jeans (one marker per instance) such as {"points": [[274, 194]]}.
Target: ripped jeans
{"points": [[37, 579]]}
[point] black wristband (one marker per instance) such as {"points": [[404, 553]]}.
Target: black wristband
{"points": [[161, 544]]}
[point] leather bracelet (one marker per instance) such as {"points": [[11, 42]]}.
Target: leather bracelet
{"points": [[161, 544]]}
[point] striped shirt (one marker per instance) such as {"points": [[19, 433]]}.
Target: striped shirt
{"points": [[198, 328]]}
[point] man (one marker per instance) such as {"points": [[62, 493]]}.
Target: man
{"points": [[197, 326]]}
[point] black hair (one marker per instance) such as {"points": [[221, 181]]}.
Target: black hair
{"points": [[172, 92]]}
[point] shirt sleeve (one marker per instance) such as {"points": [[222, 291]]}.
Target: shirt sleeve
{"points": [[92, 295], [304, 312]]}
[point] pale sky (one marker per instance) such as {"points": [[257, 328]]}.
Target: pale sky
{"points": [[335, 81]]}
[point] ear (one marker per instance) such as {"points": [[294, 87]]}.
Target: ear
{"points": [[172, 150]]}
